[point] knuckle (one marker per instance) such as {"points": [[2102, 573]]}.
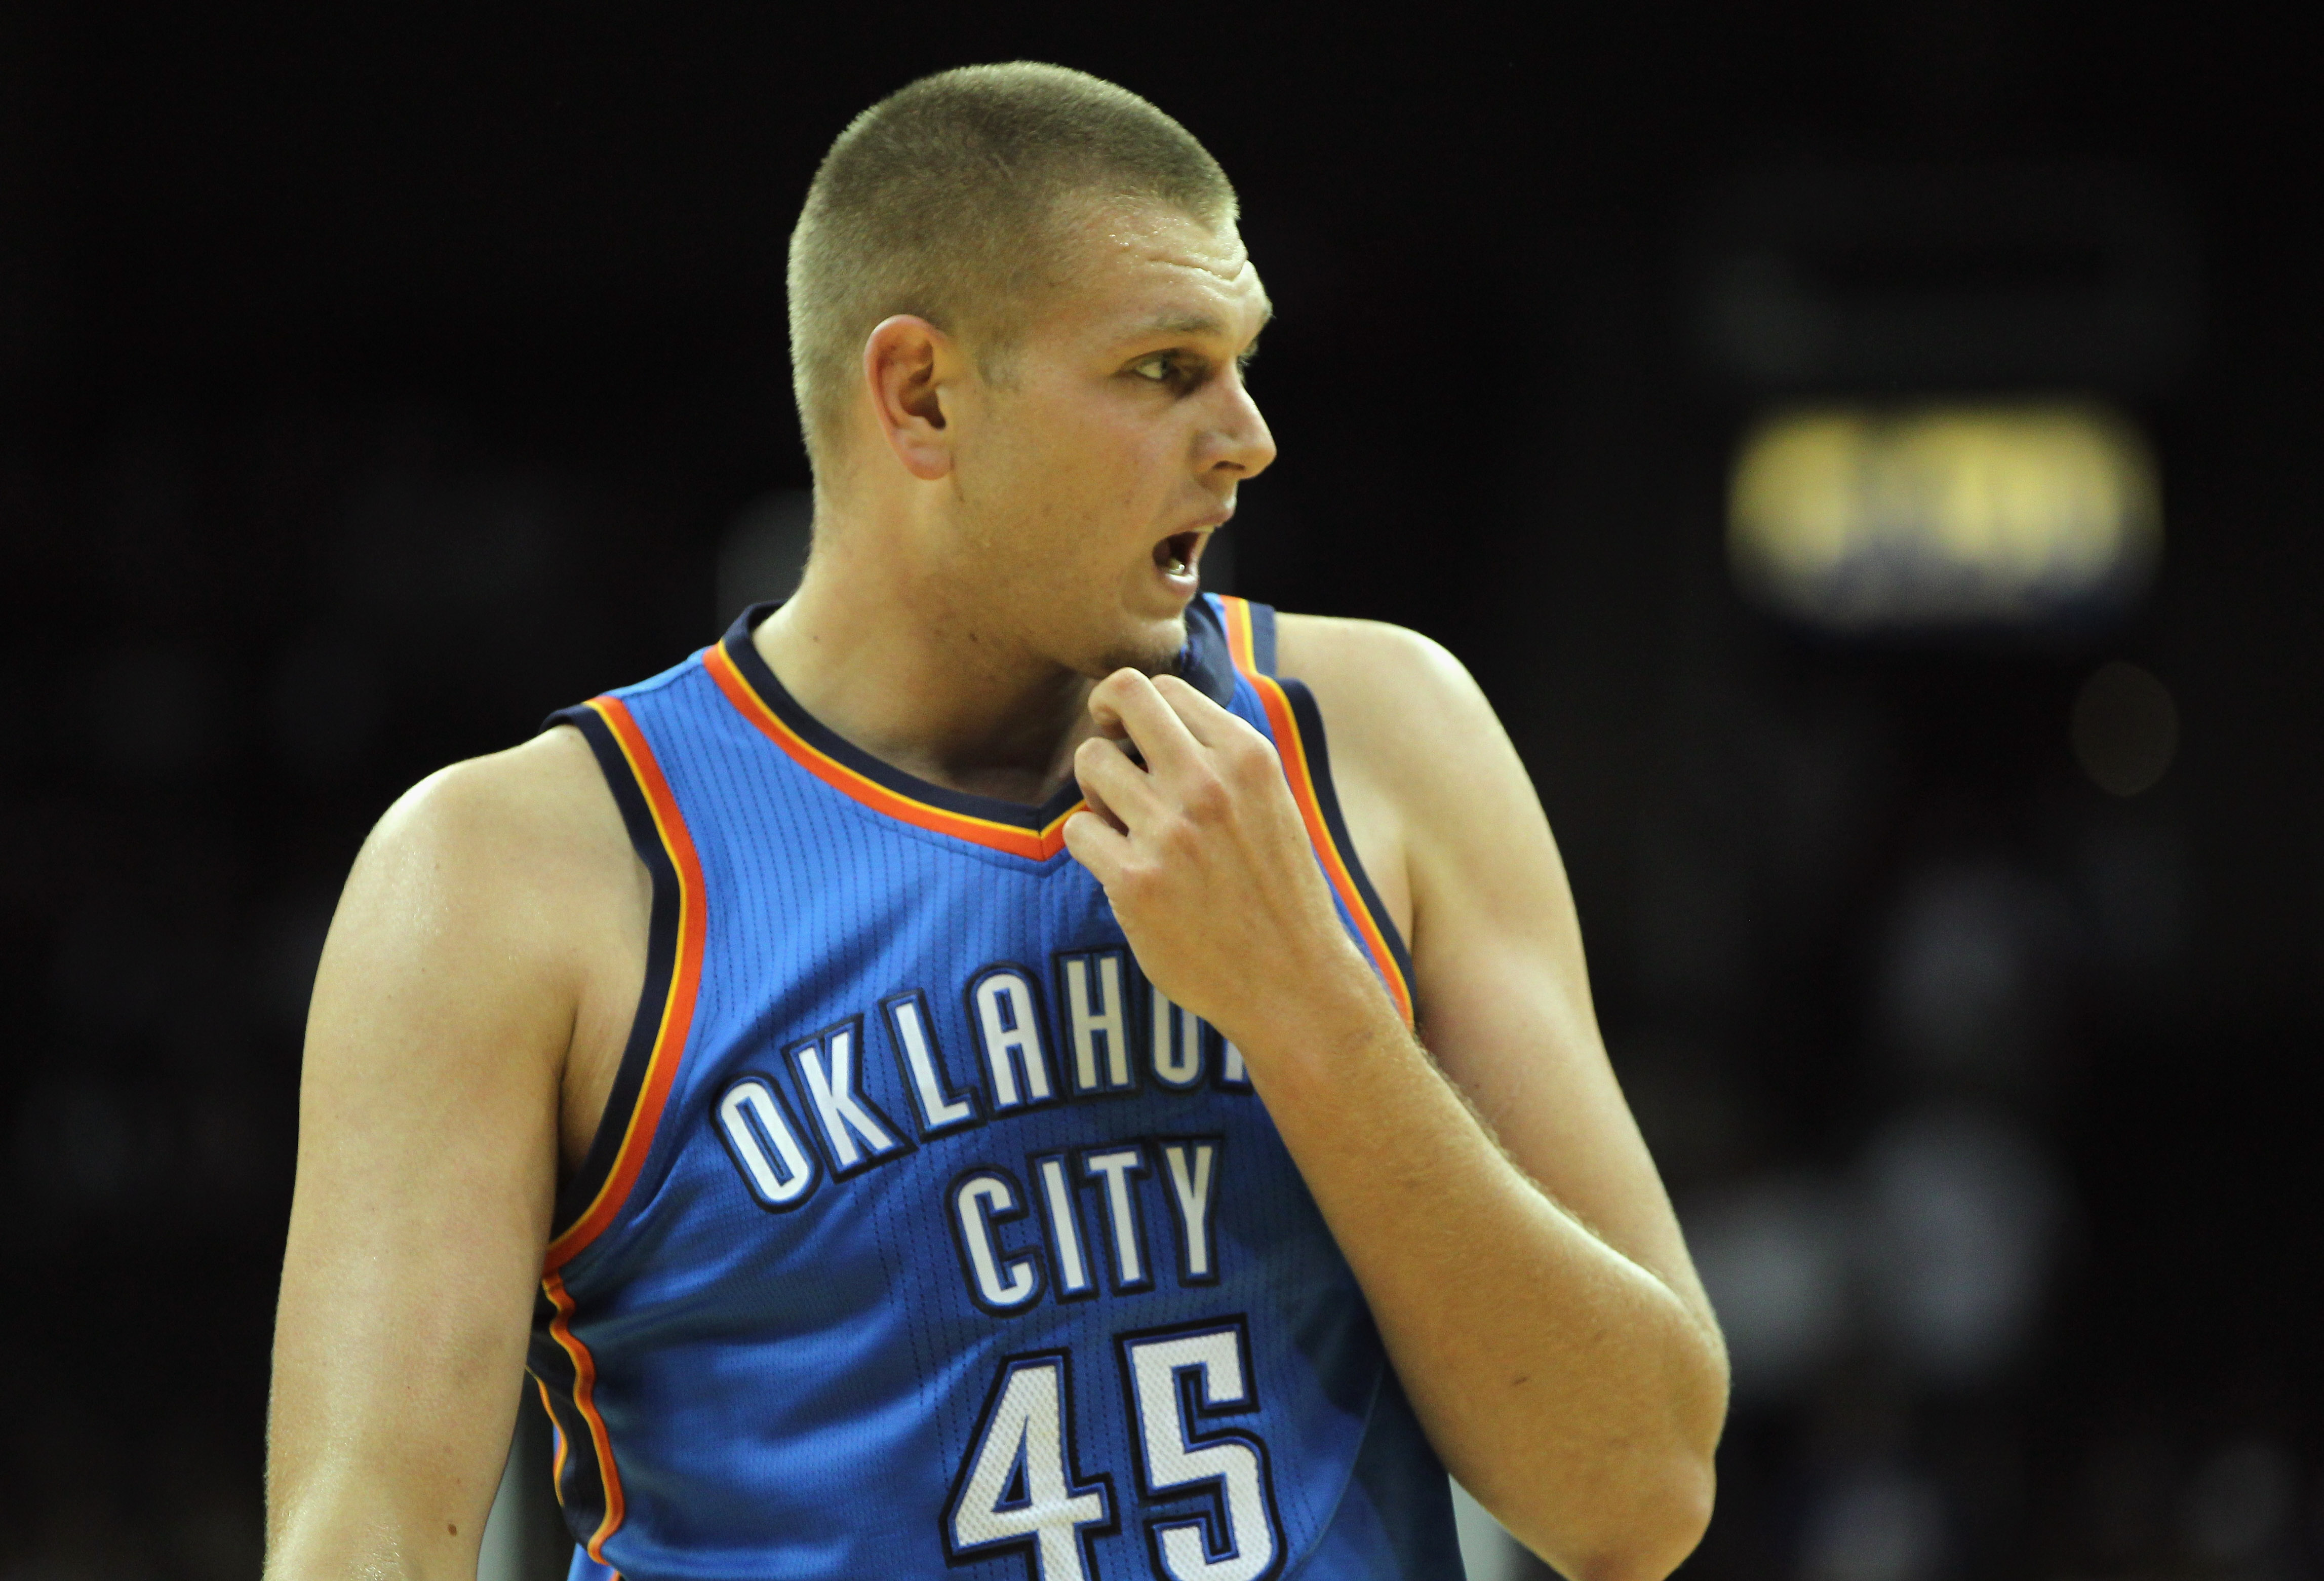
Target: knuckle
{"points": [[1208, 798], [1251, 758], [1174, 838]]}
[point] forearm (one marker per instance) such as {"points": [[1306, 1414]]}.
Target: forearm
{"points": [[399, 1352], [346, 1525], [387, 1476], [1573, 1391]]}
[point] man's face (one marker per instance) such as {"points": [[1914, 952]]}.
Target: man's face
{"points": [[1088, 479]]}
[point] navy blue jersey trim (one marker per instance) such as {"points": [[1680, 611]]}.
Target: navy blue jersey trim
{"points": [[1310, 721], [580, 1482], [1205, 662], [815, 734], [573, 1199], [1262, 636]]}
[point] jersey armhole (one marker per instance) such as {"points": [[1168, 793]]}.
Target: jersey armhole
{"points": [[1318, 753], [1262, 636], [593, 1196], [1291, 710]]}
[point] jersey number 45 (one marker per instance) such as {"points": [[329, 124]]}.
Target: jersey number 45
{"points": [[1021, 1486]]}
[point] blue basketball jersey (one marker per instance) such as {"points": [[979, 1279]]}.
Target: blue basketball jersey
{"points": [[922, 1238]]}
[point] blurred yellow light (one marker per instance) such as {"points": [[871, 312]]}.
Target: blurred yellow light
{"points": [[2004, 514]]}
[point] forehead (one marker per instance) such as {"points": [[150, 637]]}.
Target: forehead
{"points": [[1145, 270]]}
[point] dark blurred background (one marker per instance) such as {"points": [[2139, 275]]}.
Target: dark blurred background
{"points": [[371, 384]]}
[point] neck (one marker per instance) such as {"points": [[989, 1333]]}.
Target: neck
{"points": [[877, 649]]}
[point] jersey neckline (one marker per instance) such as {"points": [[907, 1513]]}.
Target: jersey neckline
{"points": [[1035, 832]]}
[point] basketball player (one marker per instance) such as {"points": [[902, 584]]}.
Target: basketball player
{"points": [[933, 1084]]}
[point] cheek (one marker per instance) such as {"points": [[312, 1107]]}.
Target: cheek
{"points": [[1133, 473], [1038, 507], [1093, 481], [1072, 488]]}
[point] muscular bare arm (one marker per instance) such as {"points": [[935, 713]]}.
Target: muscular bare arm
{"points": [[1538, 1301], [1505, 1000], [469, 955]]}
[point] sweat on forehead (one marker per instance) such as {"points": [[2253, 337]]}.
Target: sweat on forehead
{"points": [[1148, 242]]}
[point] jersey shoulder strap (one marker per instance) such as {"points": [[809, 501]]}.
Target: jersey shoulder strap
{"points": [[1297, 725]]}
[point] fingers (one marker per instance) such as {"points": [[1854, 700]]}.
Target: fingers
{"points": [[1113, 786], [1204, 720], [1130, 701], [1163, 718], [1096, 800], [1106, 719], [1097, 846]]}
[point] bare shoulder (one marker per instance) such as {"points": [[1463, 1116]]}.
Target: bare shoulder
{"points": [[520, 851], [1399, 708], [543, 796], [1366, 655]]}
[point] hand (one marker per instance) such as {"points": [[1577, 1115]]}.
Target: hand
{"points": [[1206, 860]]}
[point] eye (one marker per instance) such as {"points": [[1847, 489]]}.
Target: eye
{"points": [[1161, 367]]}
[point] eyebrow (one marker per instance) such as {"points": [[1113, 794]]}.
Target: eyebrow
{"points": [[1196, 323]]}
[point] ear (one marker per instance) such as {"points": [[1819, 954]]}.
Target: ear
{"points": [[908, 365]]}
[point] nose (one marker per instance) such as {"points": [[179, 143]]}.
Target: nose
{"points": [[1238, 442]]}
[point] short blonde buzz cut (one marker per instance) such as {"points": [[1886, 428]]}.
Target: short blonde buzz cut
{"points": [[949, 200]]}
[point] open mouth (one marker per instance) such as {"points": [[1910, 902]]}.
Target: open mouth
{"points": [[1178, 553]]}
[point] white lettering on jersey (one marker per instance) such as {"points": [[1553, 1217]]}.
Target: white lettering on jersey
{"points": [[914, 1037], [1097, 1026], [1007, 1023], [1230, 1069], [1061, 1209], [1241, 1540], [1192, 1168], [1017, 1487], [826, 1067], [1175, 1043], [753, 1119], [980, 1200], [1118, 1167]]}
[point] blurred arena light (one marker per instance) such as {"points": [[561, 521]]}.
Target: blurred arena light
{"points": [[1962, 1210], [1966, 995], [2027, 515], [1773, 1253], [2239, 1506], [1875, 1523]]}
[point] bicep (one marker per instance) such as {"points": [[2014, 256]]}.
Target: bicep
{"points": [[1504, 990], [427, 1169]]}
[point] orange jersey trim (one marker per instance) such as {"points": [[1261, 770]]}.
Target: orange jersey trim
{"points": [[678, 1003], [584, 1398], [1297, 770], [557, 1461], [1038, 845]]}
